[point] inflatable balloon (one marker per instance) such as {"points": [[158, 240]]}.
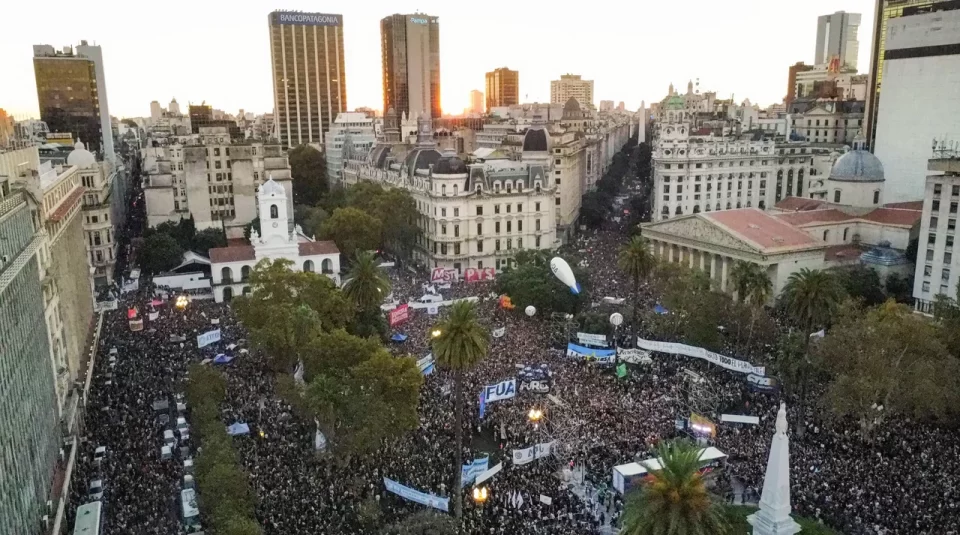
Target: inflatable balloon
{"points": [[562, 271], [531, 310]]}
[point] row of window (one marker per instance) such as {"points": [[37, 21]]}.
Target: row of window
{"points": [[696, 187], [496, 228], [498, 245], [217, 164], [938, 189], [496, 209], [665, 212]]}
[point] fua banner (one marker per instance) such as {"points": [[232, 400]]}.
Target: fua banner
{"points": [[759, 383], [500, 391], [429, 500], [701, 353], [592, 339], [208, 338], [526, 455]]}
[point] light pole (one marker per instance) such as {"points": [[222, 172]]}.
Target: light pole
{"points": [[480, 495], [616, 319]]}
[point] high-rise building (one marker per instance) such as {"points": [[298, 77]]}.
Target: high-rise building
{"points": [[155, 111], [29, 429], [792, 73], [411, 64], [886, 10], [503, 88], [72, 92], [571, 85], [476, 101], [837, 38], [920, 98], [309, 74]]}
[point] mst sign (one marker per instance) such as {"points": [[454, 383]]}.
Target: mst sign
{"points": [[307, 19]]}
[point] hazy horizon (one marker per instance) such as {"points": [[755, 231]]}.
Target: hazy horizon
{"points": [[219, 52]]}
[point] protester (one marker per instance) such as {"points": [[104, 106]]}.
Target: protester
{"points": [[900, 483]]}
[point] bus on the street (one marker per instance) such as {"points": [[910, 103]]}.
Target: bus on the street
{"points": [[89, 521]]}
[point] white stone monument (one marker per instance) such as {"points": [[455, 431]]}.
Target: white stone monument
{"points": [[773, 518]]}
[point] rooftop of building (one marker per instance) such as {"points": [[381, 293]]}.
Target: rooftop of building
{"points": [[768, 233], [899, 214], [247, 253]]}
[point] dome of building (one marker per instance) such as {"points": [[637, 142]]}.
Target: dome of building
{"points": [[449, 164], [571, 109], [536, 140], [81, 157], [421, 159], [857, 166], [675, 102]]}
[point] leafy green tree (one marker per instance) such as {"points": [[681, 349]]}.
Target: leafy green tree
{"points": [[360, 394], [367, 285], [308, 168], [310, 218], [637, 261], [159, 253], [861, 282], [422, 523], [674, 500], [899, 288], [353, 230], [398, 212], [531, 282], [460, 345], [888, 362], [593, 210], [240, 526], [288, 309], [208, 239]]}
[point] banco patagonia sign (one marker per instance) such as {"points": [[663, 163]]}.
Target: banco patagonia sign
{"points": [[307, 19], [423, 20]]}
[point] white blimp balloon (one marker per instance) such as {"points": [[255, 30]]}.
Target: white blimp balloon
{"points": [[562, 271], [531, 310]]}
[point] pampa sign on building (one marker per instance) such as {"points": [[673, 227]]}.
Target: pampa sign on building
{"points": [[307, 19]]}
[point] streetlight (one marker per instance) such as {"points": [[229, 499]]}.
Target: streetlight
{"points": [[535, 415], [480, 495], [616, 319], [436, 333], [182, 302]]}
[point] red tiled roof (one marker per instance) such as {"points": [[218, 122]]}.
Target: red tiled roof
{"points": [[798, 204], [908, 205], [894, 216], [838, 253], [66, 204], [311, 248], [768, 233], [237, 253], [815, 216]]}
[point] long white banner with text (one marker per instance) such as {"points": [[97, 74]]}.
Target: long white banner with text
{"points": [[729, 363]]}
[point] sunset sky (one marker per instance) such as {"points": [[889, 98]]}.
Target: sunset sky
{"points": [[218, 51]]}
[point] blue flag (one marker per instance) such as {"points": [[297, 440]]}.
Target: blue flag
{"points": [[483, 404]]}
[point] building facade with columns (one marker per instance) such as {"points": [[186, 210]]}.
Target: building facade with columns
{"points": [[713, 242]]}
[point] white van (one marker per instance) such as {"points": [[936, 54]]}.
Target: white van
{"points": [[95, 490], [188, 466], [430, 298], [188, 482], [183, 429], [169, 439], [99, 455]]}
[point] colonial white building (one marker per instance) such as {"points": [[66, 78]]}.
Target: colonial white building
{"points": [[471, 216], [278, 238], [210, 178], [826, 121]]}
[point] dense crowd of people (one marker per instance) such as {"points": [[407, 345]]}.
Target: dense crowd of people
{"points": [[899, 483]]}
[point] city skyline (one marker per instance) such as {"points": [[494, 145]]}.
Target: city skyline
{"points": [[195, 54]]}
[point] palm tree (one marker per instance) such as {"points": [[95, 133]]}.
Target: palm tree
{"points": [[751, 281], [810, 298], [367, 285], [459, 343], [674, 500], [638, 262]]}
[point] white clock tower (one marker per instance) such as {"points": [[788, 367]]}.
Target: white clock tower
{"points": [[276, 239]]}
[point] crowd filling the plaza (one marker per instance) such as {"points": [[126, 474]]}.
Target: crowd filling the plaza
{"points": [[546, 417]]}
